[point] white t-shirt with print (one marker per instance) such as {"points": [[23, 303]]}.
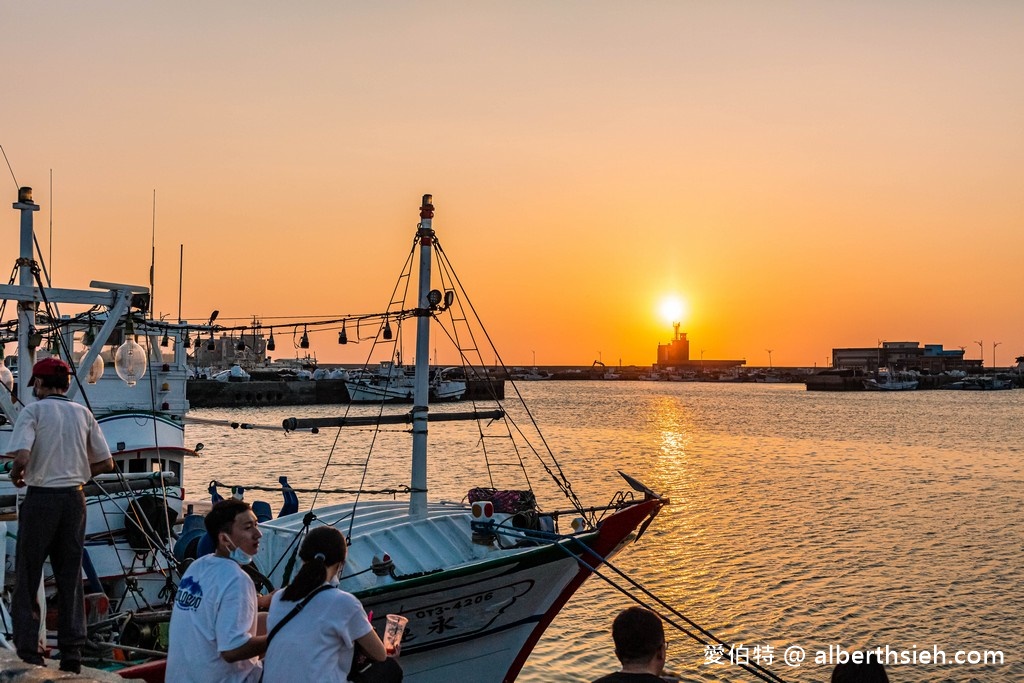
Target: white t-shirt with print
{"points": [[318, 643], [214, 611]]}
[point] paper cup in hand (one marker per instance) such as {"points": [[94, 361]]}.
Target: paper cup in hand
{"points": [[393, 631]]}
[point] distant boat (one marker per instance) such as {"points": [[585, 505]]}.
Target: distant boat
{"points": [[233, 374], [886, 380], [391, 383], [983, 383]]}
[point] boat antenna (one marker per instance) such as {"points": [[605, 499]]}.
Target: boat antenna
{"points": [[181, 263], [49, 211], [152, 260], [16, 185]]}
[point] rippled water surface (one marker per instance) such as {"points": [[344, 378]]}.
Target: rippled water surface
{"points": [[797, 518]]}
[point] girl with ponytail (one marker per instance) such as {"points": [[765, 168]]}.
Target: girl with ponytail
{"points": [[317, 644]]}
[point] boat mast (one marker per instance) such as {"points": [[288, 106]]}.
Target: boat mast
{"points": [[421, 396], [26, 309]]}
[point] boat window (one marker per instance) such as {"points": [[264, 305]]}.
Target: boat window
{"points": [[137, 465]]}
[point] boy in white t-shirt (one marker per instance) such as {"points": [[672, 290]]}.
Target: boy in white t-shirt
{"points": [[213, 634]]}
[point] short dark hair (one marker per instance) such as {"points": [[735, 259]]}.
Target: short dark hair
{"points": [[61, 383], [638, 634], [866, 672], [222, 515]]}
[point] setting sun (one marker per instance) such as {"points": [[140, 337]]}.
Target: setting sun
{"points": [[673, 309]]}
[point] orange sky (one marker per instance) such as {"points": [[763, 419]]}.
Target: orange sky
{"points": [[806, 175]]}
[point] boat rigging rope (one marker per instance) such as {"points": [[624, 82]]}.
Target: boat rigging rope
{"points": [[561, 481], [703, 636], [406, 274], [129, 513]]}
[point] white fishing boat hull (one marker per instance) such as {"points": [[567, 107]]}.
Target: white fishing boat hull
{"points": [[448, 390], [892, 385], [364, 391], [469, 605]]}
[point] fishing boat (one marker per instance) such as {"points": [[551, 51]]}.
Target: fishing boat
{"points": [[393, 383], [886, 380], [479, 579], [132, 377]]}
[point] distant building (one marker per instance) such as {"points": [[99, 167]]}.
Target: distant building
{"points": [[907, 355], [676, 354], [248, 350]]}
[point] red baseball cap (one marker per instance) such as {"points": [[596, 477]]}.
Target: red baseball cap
{"points": [[50, 367]]}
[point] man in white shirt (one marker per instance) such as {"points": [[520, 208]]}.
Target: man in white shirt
{"points": [[57, 446], [213, 634]]}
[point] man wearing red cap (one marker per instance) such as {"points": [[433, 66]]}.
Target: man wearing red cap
{"points": [[57, 447]]}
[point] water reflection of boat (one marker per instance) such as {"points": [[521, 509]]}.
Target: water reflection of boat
{"points": [[886, 380]]}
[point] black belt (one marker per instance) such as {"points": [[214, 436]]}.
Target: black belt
{"points": [[54, 489]]}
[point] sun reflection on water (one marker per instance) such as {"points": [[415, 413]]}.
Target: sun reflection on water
{"points": [[796, 517]]}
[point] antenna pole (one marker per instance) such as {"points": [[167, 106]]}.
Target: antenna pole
{"points": [[181, 264], [152, 262], [49, 258]]}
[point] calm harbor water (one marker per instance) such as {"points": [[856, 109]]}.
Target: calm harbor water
{"points": [[798, 518]]}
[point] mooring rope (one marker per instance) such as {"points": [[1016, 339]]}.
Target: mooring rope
{"points": [[556, 540]]}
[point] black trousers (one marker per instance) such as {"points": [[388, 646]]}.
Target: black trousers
{"points": [[51, 523]]}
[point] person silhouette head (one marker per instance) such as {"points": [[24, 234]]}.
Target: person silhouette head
{"points": [[865, 672]]}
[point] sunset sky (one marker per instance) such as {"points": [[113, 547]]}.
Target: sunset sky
{"points": [[803, 175]]}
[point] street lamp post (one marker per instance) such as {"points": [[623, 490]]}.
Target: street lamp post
{"points": [[981, 345], [994, 345], [769, 358], [702, 361]]}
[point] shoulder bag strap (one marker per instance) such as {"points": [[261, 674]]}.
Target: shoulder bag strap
{"points": [[295, 610]]}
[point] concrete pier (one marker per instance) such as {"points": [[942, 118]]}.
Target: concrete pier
{"points": [[13, 670]]}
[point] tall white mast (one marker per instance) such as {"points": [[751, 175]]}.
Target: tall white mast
{"points": [[26, 308], [421, 397]]}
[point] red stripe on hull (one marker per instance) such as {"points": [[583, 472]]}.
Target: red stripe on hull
{"points": [[611, 533]]}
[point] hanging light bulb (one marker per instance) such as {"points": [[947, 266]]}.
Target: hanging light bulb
{"points": [[130, 362], [270, 342], [343, 335], [166, 341], [187, 341], [387, 328], [54, 344], [210, 344], [95, 371], [304, 341], [240, 346]]}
